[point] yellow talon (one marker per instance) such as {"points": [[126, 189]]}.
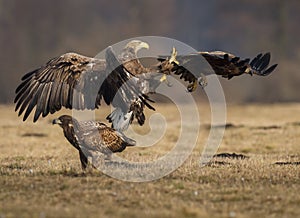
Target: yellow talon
{"points": [[173, 56], [192, 87], [163, 78]]}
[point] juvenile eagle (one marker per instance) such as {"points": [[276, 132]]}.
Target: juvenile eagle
{"points": [[91, 138]]}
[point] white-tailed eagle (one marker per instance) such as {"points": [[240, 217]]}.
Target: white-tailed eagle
{"points": [[223, 63]]}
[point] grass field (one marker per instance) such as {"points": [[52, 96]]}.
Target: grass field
{"points": [[40, 173]]}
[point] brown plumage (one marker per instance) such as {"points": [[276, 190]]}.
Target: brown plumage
{"points": [[229, 65], [148, 78], [225, 64], [76, 81], [91, 138]]}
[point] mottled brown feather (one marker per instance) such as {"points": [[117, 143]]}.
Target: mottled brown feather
{"points": [[90, 137]]}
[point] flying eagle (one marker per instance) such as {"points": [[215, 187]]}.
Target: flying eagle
{"points": [[80, 82], [76, 81], [147, 79], [92, 138], [223, 63]]}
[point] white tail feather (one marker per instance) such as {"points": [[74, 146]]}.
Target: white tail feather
{"points": [[119, 120]]}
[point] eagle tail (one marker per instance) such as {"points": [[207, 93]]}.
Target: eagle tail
{"points": [[120, 121], [137, 109], [127, 141]]}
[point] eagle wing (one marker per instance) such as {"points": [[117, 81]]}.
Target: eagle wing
{"points": [[229, 65], [225, 64], [75, 81], [96, 136], [54, 85], [114, 140]]}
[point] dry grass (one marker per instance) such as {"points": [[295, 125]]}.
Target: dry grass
{"points": [[40, 174]]}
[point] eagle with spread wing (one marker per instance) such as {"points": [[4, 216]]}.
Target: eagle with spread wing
{"points": [[147, 78], [223, 63], [78, 82], [92, 138]]}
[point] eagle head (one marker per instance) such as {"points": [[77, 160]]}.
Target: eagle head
{"points": [[136, 45], [64, 120]]}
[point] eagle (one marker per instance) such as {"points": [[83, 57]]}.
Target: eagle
{"points": [[147, 78], [92, 138], [75, 81], [223, 63], [78, 82]]}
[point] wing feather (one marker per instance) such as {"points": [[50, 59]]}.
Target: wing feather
{"points": [[50, 87], [33, 101], [123, 89], [45, 108], [41, 102], [79, 82], [225, 64], [26, 98]]}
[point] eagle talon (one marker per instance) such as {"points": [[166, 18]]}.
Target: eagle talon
{"points": [[163, 78], [173, 56], [192, 87], [202, 80]]}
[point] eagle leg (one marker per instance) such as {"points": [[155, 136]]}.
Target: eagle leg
{"points": [[165, 79], [170, 62], [173, 57], [83, 160], [193, 86], [202, 80]]}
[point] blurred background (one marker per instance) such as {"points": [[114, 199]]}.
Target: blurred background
{"points": [[33, 31]]}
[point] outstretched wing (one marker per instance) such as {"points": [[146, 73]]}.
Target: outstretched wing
{"points": [[61, 82], [229, 65], [75, 81], [225, 64], [121, 87]]}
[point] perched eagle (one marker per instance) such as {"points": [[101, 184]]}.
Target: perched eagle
{"points": [[225, 64], [92, 138]]}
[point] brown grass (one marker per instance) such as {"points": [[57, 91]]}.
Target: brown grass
{"points": [[40, 174]]}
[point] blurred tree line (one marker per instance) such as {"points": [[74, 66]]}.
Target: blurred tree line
{"points": [[33, 31]]}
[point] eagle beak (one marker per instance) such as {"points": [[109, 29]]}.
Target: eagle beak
{"points": [[56, 121], [144, 45]]}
